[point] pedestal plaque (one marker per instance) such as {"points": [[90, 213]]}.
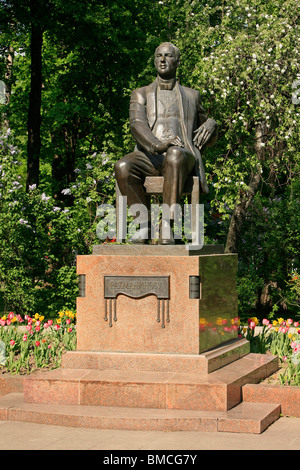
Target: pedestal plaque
{"points": [[137, 287]]}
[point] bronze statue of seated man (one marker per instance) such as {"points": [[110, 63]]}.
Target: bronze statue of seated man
{"points": [[170, 128]]}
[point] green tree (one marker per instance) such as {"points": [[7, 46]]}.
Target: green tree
{"points": [[244, 60]]}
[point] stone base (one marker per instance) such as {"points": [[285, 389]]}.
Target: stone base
{"points": [[189, 363], [145, 400], [220, 390], [130, 373], [252, 418], [195, 324]]}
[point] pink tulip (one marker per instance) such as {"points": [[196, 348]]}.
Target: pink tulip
{"points": [[8, 322], [37, 328], [12, 342], [38, 323], [283, 329], [25, 338], [265, 322], [68, 321], [252, 325], [296, 323], [46, 325], [28, 327], [56, 327], [10, 316], [50, 322], [2, 322]]}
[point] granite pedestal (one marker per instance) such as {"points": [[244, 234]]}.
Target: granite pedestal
{"points": [[182, 323]]}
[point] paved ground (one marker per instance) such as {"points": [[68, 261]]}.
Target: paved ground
{"points": [[284, 434]]}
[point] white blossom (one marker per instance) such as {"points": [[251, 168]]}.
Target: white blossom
{"points": [[45, 198], [66, 191]]}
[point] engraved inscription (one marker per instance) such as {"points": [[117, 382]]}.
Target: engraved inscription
{"points": [[137, 286]]}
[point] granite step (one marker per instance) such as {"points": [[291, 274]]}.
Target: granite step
{"points": [[194, 363], [220, 390], [249, 417], [246, 418]]}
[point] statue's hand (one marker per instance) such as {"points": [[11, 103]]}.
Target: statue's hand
{"points": [[163, 146], [176, 141], [204, 133]]}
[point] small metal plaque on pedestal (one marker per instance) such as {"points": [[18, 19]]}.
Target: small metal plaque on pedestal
{"points": [[137, 287]]}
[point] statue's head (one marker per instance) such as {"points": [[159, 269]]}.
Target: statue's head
{"points": [[167, 59]]}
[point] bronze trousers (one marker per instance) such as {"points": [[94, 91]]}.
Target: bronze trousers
{"points": [[175, 166]]}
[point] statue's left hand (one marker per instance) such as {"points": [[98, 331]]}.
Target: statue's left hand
{"points": [[204, 133]]}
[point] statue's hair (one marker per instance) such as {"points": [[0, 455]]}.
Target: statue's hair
{"points": [[176, 50]]}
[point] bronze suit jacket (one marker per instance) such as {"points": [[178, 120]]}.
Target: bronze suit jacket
{"points": [[143, 117]]}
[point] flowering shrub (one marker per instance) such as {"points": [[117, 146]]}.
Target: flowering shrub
{"points": [[280, 337], [41, 236], [34, 343]]}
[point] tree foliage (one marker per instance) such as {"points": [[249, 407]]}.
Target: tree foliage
{"points": [[243, 58]]}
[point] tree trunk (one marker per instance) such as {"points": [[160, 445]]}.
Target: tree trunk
{"points": [[241, 207], [35, 98], [239, 214], [63, 165]]}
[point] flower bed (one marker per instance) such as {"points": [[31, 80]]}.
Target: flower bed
{"points": [[32, 343], [280, 338]]}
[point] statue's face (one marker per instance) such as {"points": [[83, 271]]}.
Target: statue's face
{"points": [[166, 62]]}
